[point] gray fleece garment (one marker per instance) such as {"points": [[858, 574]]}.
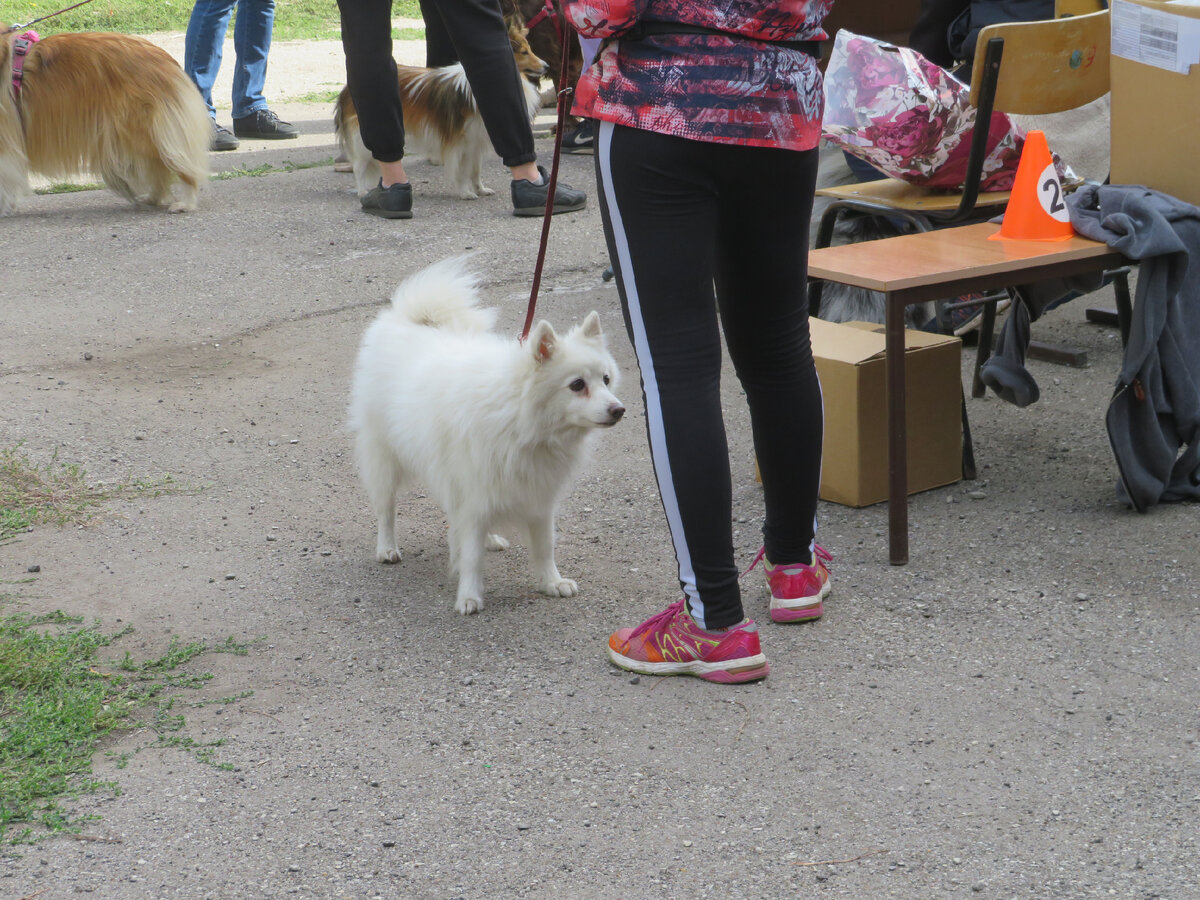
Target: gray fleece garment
{"points": [[1153, 418]]}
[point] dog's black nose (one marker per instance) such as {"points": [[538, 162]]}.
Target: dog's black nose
{"points": [[615, 413]]}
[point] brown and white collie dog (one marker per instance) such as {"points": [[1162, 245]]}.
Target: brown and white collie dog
{"points": [[441, 120], [106, 104]]}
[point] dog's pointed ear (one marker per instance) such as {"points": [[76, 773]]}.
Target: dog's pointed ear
{"points": [[542, 341], [591, 326]]}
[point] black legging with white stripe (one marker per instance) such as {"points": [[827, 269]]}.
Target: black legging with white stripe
{"points": [[681, 216]]}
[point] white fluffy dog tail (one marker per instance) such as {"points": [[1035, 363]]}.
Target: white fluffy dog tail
{"points": [[444, 295]]}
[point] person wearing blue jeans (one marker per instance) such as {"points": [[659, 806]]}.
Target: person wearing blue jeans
{"points": [[202, 51]]}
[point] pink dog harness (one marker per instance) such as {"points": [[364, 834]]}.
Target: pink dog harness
{"points": [[20, 47]]}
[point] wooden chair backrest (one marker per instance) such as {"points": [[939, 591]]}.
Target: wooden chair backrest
{"points": [[1049, 66]]}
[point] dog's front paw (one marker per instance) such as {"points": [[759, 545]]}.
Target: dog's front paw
{"points": [[467, 194], [468, 605], [388, 555], [484, 191], [559, 587], [495, 542]]}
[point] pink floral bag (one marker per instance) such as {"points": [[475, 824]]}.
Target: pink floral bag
{"points": [[909, 118]]}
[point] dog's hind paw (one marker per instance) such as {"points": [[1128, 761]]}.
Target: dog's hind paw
{"points": [[468, 605], [388, 555], [559, 587], [495, 542]]}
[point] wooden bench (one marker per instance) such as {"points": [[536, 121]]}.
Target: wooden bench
{"points": [[915, 268]]}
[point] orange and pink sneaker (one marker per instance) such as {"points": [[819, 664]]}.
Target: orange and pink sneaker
{"points": [[797, 590], [671, 643]]}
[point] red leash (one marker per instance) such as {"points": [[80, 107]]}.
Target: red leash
{"points": [[564, 98]]}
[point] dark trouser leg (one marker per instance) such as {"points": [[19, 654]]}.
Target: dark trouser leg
{"points": [[481, 40], [371, 75]]}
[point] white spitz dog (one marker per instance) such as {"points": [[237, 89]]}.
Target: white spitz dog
{"points": [[492, 427]]}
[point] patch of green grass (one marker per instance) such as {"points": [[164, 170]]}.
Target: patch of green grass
{"points": [[327, 97], [68, 188], [268, 169], [58, 701], [295, 20], [58, 493]]}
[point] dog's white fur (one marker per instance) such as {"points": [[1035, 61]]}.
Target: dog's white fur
{"points": [[109, 104], [441, 122], [492, 427]]}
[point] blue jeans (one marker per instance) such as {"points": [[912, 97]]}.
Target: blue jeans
{"points": [[251, 42]]}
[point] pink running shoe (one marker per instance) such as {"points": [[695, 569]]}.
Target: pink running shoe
{"points": [[671, 643], [797, 590]]}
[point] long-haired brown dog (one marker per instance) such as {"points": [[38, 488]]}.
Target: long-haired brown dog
{"points": [[441, 120], [543, 20], [108, 104]]}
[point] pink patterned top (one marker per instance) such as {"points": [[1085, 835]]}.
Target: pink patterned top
{"points": [[741, 89]]}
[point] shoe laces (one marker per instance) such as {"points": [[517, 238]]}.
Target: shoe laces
{"points": [[658, 621], [821, 556]]}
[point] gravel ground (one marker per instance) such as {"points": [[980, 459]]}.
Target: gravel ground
{"points": [[1012, 714]]}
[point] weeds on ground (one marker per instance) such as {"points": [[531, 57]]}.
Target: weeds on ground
{"points": [[295, 20], [59, 699], [58, 493]]}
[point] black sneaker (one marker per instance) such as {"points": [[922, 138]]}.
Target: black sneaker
{"points": [[222, 138], [529, 199], [581, 140], [392, 202], [265, 125]]}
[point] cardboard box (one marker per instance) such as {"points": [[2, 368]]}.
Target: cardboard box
{"points": [[850, 361], [1155, 77]]}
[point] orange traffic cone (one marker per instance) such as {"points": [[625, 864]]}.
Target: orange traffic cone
{"points": [[1037, 209]]}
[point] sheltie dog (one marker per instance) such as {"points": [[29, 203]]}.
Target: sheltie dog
{"points": [[545, 24], [492, 428], [106, 104], [441, 120]]}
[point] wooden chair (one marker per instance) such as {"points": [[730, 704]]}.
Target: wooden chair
{"points": [[1048, 67]]}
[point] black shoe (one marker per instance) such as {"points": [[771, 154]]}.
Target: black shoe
{"points": [[265, 125], [392, 202], [529, 199], [581, 140], [222, 138]]}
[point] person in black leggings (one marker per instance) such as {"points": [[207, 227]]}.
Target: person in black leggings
{"points": [[481, 39], [708, 121], [681, 216]]}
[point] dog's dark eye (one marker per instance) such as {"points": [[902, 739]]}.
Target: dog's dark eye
{"points": [[606, 379], [577, 385]]}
